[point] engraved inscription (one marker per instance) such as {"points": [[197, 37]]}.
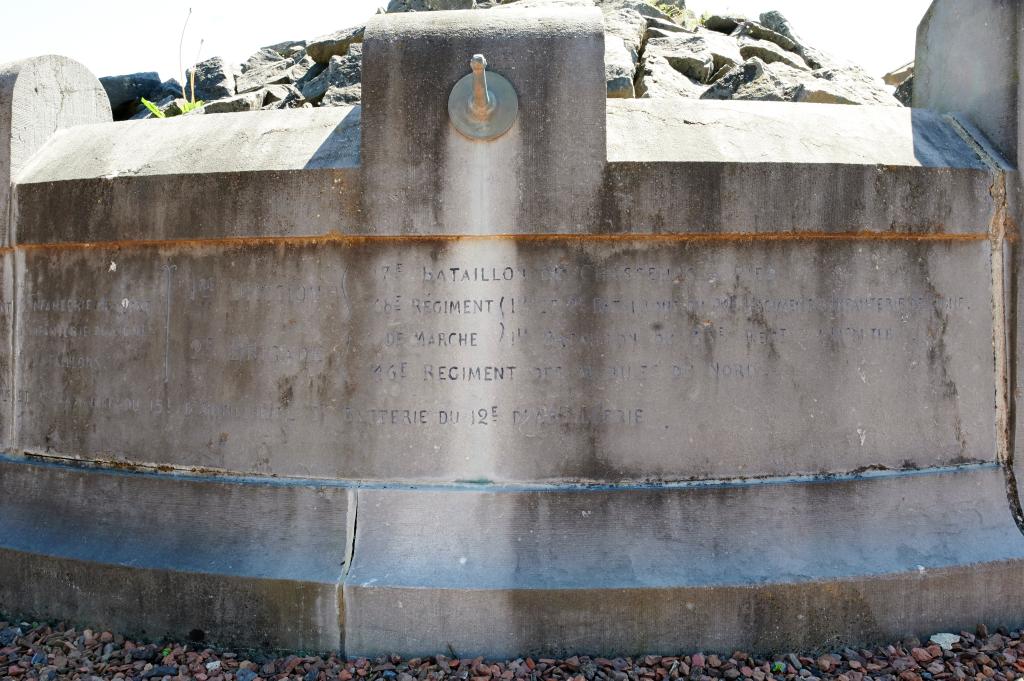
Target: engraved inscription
{"points": [[562, 360]]}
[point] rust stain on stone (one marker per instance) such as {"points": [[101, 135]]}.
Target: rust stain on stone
{"points": [[352, 239]]}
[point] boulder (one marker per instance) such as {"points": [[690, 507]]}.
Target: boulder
{"points": [[337, 96], [699, 55], [335, 44], [406, 6], [342, 71], [658, 78], [619, 67], [769, 53], [214, 79], [723, 23], [752, 29], [281, 96], [250, 101], [687, 54], [905, 92], [815, 59], [894, 77], [127, 89], [302, 66], [267, 74], [724, 49], [449, 4], [666, 26], [288, 48], [857, 85], [264, 57], [170, 87], [777, 22], [627, 24], [640, 6], [756, 80]]}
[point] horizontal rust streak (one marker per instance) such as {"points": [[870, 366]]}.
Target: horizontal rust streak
{"points": [[300, 241]]}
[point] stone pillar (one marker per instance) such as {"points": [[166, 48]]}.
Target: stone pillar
{"points": [[39, 96], [969, 60], [543, 175]]}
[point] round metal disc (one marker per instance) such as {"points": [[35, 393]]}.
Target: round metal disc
{"points": [[506, 108]]}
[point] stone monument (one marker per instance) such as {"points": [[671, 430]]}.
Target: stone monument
{"points": [[579, 375]]}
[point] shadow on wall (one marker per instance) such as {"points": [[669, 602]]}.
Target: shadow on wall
{"points": [[938, 143], [341, 148]]}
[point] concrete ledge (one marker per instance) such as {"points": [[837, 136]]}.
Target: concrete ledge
{"points": [[706, 131], [667, 569], [747, 197], [246, 563], [154, 603], [210, 206]]}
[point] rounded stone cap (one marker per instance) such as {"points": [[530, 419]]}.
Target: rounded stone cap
{"points": [[39, 96]]}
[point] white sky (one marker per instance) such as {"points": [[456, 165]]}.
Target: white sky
{"points": [[123, 36]]}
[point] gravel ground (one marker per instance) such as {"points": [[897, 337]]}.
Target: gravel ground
{"points": [[41, 651]]}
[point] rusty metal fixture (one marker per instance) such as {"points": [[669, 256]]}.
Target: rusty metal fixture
{"points": [[482, 106]]}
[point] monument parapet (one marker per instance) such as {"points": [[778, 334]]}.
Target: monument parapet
{"points": [[576, 374]]}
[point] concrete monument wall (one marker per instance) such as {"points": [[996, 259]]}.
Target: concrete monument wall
{"points": [[633, 376]]}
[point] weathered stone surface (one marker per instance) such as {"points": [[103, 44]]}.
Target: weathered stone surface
{"points": [[769, 53], [898, 75], [272, 173], [837, 583], [335, 44], [449, 4], [342, 71], [270, 74], [126, 90], [214, 79], [265, 56], [627, 24], [963, 64], [619, 67], [640, 6], [281, 96], [905, 92], [469, 357], [288, 48], [342, 95], [857, 86], [304, 65], [250, 101], [38, 97], [546, 154], [924, 175], [776, 21], [267, 572], [752, 29], [713, 294], [756, 80], [658, 76], [723, 23], [687, 54], [666, 26]]}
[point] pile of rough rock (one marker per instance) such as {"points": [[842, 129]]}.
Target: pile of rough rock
{"points": [[652, 49]]}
